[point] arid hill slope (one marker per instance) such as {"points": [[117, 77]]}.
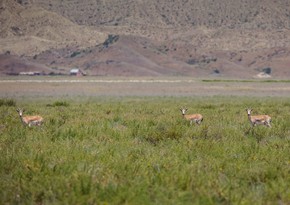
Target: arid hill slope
{"points": [[227, 38], [235, 14], [31, 30]]}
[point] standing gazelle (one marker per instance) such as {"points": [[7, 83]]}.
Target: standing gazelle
{"points": [[29, 120], [259, 119], [197, 118]]}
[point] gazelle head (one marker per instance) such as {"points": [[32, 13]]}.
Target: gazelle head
{"points": [[183, 110], [249, 110], [20, 111]]}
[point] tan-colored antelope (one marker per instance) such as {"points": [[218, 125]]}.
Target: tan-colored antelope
{"points": [[29, 120], [197, 118], [259, 119]]}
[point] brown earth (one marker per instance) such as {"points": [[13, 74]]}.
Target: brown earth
{"points": [[86, 88], [228, 39]]}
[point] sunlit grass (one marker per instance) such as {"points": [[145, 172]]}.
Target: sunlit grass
{"points": [[141, 151], [246, 81]]}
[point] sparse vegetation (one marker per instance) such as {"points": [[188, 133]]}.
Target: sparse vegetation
{"points": [[141, 151]]}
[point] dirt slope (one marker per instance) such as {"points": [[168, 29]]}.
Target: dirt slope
{"points": [[31, 30], [13, 65]]}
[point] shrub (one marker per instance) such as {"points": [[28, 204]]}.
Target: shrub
{"points": [[110, 40], [7, 102], [74, 54], [58, 104]]}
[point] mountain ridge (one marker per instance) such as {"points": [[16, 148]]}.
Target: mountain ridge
{"points": [[189, 37]]}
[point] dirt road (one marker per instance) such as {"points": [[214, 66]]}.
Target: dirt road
{"points": [[90, 87]]}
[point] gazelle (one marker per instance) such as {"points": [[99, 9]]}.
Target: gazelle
{"points": [[259, 119], [30, 120], [197, 118]]}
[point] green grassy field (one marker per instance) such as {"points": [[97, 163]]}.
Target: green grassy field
{"points": [[139, 150]]}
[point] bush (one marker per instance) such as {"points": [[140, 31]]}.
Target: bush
{"points": [[58, 104], [7, 102], [267, 70], [74, 54], [110, 40]]}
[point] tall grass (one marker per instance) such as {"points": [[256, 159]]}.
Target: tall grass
{"points": [[141, 151]]}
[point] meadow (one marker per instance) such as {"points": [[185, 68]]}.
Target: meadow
{"points": [[139, 150]]}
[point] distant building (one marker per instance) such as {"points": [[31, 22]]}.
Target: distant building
{"points": [[76, 72], [31, 73]]}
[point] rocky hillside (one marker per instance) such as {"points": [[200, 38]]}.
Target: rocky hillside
{"points": [[228, 38], [234, 14]]}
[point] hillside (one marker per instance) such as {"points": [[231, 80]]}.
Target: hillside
{"points": [[243, 14], [188, 37], [31, 30]]}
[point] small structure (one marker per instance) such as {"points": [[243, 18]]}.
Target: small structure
{"points": [[31, 73], [76, 72], [263, 75]]}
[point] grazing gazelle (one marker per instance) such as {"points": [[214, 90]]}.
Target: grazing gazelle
{"points": [[29, 120], [197, 118], [259, 119]]}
